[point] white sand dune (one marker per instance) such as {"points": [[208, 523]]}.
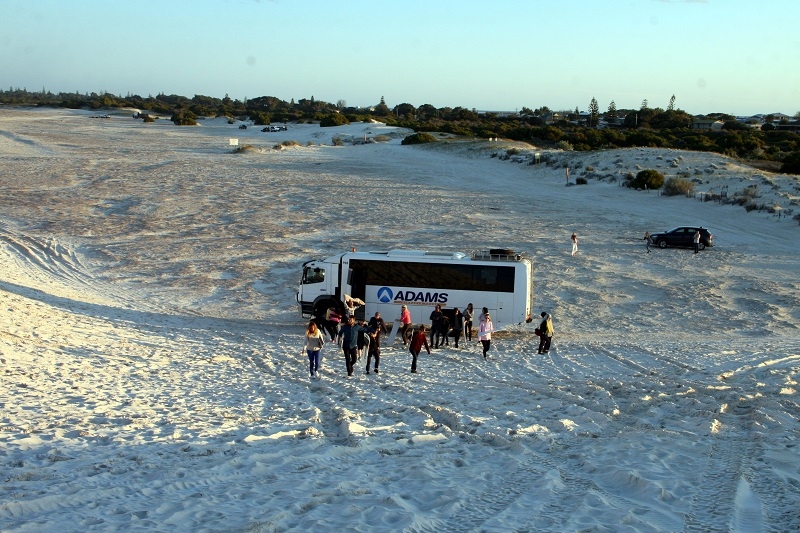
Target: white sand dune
{"points": [[150, 344]]}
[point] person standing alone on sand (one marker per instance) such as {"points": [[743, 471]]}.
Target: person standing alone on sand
{"points": [[418, 340], [648, 240], [574, 240], [314, 343], [696, 240], [546, 333]]}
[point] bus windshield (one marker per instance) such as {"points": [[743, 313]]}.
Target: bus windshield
{"points": [[313, 275]]}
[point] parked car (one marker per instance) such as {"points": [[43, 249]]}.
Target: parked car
{"points": [[683, 236]]}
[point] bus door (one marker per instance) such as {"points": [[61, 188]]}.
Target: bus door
{"points": [[357, 279]]}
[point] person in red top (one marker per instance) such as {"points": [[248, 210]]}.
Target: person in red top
{"points": [[418, 340], [405, 324]]}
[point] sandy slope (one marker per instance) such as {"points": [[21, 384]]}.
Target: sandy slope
{"points": [[150, 345]]}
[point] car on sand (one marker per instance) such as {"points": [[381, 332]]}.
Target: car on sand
{"points": [[683, 236]]}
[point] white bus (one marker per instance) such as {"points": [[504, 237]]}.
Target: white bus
{"points": [[498, 279]]}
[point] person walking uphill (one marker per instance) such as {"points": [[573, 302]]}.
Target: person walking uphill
{"points": [[332, 319], [314, 343], [418, 340], [374, 350], [546, 333], [485, 330], [348, 336]]}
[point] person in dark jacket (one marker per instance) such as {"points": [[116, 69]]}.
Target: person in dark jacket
{"points": [[436, 324], [469, 313], [348, 338], [442, 338], [545, 333], [458, 325], [418, 340], [376, 322], [363, 338], [374, 350]]}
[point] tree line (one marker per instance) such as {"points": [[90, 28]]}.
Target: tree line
{"points": [[647, 127]]}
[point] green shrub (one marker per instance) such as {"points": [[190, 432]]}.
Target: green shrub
{"points": [[746, 197], [334, 119], [678, 186], [184, 117], [419, 138], [260, 118], [791, 164], [564, 145], [647, 179]]}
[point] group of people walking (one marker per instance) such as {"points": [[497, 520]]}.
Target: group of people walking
{"points": [[359, 337], [442, 329]]}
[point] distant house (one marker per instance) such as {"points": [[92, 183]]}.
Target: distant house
{"points": [[551, 117], [707, 124], [792, 126]]}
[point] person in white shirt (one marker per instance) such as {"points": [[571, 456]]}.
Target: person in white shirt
{"points": [[485, 333]]}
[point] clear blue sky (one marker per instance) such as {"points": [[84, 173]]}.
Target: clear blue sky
{"points": [[733, 56]]}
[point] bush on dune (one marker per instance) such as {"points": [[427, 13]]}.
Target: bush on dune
{"points": [[419, 138], [678, 186], [647, 179], [184, 117], [334, 119], [791, 164], [244, 148]]}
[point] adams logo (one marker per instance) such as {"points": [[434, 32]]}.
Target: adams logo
{"points": [[387, 295]]}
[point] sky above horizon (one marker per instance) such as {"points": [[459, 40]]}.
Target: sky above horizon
{"points": [[738, 57]]}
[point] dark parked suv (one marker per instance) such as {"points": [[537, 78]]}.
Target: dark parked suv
{"points": [[683, 236]]}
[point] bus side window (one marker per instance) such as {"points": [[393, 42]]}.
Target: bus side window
{"points": [[487, 278], [314, 275]]}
